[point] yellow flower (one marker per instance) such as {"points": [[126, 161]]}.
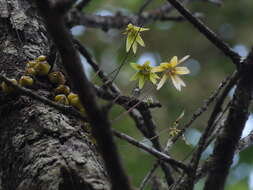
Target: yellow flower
{"points": [[41, 58], [42, 68], [8, 89], [57, 77], [62, 89], [26, 81], [62, 99], [171, 70], [31, 64], [75, 101], [134, 37], [145, 72]]}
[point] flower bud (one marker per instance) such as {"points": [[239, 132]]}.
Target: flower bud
{"points": [[41, 58], [75, 101], [8, 89], [56, 78], [62, 99], [62, 89], [25, 81], [42, 68]]}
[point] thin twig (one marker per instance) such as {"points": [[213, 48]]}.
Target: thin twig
{"points": [[125, 101], [119, 21], [152, 151], [95, 66], [215, 131], [148, 176]]}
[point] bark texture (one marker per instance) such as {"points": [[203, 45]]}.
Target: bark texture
{"points": [[40, 147]]}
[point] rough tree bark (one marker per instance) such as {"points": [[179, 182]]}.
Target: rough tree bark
{"points": [[40, 147]]}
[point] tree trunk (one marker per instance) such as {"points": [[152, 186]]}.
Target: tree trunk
{"points": [[40, 148]]}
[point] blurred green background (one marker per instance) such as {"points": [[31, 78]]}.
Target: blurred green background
{"points": [[232, 21]]}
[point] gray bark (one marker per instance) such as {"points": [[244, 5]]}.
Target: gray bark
{"points": [[40, 148]]}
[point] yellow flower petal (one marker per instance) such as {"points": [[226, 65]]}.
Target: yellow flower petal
{"points": [[181, 70], [139, 40], [165, 64], [153, 78], [177, 82], [157, 69], [144, 29], [174, 61], [162, 81], [135, 66], [184, 58], [139, 29], [134, 47], [141, 81]]}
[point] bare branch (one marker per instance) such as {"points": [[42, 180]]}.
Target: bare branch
{"points": [[152, 151], [118, 21]]}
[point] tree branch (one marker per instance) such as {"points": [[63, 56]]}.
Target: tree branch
{"points": [[152, 151], [230, 136], [118, 21]]}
